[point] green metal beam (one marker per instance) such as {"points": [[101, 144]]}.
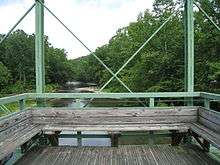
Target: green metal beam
{"points": [[151, 102], [22, 104], [136, 53], [5, 109], [39, 47], [189, 48], [207, 103], [211, 96], [16, 98], [207, 16], [18, 22], [92, 53], [11, 99]]}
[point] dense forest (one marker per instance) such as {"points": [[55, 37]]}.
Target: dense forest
{"points": [[17, 64], [158, 67]]}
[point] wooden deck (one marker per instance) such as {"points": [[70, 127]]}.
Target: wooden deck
{"points": [[141, 155]]}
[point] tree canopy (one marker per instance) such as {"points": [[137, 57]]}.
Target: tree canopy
{"points": [[158, 67]]}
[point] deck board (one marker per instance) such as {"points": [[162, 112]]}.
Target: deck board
{"points": [[127, 154]]}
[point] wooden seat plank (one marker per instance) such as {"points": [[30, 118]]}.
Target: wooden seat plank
{"points": [[117, 127], [9, 145], [206, 133]]}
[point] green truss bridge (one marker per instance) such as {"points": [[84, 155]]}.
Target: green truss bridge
{"points": [[193, 128]]}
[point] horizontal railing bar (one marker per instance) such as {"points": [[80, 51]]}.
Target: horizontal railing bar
{"points": [[113, 95], [15, 98], [11, 99], [213, 96], [133, 101]]}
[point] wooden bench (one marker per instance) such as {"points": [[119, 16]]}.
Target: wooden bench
{"points": [[115, 121], [15, 130], [207, 127], [20, 127], [177, 118]]}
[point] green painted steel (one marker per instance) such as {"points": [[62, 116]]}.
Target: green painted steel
{"points": [[5, 109], [151, 102], [207, 103], [11, 99], [18, 22], [22, 97], [77, 38], [39, 47], [189, 48], [22, 104], [134, 55], [212, 96], [207, 16], [92, 53]]}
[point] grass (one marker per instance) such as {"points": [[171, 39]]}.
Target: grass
{"points": [[14, 107]]}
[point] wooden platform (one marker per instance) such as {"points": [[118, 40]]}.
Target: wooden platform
{"points": [[141, 155]]}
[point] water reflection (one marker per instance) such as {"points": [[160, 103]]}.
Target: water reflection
{"points": [[85, 141]]}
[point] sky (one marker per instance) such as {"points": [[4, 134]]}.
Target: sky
{"points": [[93, 21]]}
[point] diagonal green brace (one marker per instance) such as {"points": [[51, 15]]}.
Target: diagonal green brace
{"points": [[19, 21], [207, 16], [110, 71], [144, 44]]}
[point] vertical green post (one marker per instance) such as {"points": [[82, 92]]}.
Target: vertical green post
{"points": [[39, 48], [189, 48], [22, 104], [151, 102], [207, 103]]}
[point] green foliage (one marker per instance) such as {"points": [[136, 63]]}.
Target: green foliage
{"points": [[17, 64], [5, 76], [50, 88], [159, 66]]}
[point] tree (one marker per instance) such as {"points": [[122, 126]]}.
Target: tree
{"points": [[5, 76]]}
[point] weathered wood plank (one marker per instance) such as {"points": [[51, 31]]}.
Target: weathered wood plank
{"points": [[115, 120], [209, 124], [191, 111], [128, 127], [11, 131], [210, 115], [10, 144], [14, 119], [206, 133], [123, 155]]}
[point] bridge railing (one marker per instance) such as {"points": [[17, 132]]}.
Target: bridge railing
{"points": [[21, 98]]}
